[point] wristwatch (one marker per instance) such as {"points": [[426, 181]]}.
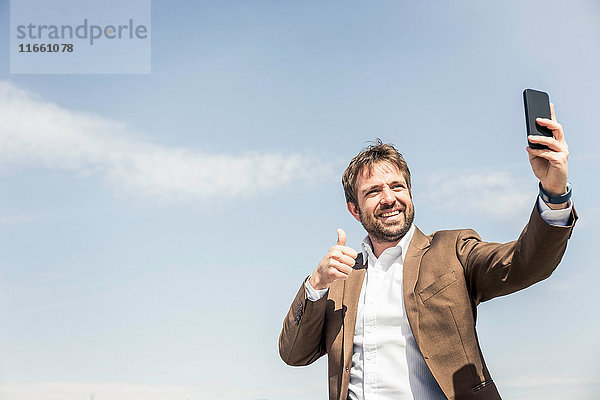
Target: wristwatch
{"points": [[563, 198]]}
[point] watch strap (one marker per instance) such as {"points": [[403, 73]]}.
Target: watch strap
{"points": [[563, 198]]}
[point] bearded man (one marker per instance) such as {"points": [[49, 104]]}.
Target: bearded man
{"points": [[397, 320]]}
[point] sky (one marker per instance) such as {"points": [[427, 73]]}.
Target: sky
{"points": [[154, 228]]}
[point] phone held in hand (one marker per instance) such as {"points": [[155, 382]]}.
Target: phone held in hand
{"points": [[537, 105]]}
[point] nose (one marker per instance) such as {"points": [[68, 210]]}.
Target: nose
{"points": [[387, 196]]}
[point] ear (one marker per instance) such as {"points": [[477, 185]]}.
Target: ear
{"points": [[353, 210]]}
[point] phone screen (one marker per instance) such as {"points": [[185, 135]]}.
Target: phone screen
{"points": [[537, 105]]}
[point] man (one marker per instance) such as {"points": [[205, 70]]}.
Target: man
{"points": [[397, 321]]}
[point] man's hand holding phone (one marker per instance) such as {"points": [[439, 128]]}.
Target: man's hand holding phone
{"points": [[550, 165]]}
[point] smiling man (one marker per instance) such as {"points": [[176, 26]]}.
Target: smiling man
{"points": [[397, 320]]}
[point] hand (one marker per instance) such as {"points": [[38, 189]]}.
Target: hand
{"points": [[337, 264], [550, 165]]}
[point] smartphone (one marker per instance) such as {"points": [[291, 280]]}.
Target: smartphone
{"points": [[537, 105]]}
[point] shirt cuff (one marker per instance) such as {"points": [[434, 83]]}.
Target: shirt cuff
{"points": [[313, 294], [555, 217]]}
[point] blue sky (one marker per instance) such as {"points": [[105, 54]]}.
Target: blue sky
{"points": [[154, 228]]}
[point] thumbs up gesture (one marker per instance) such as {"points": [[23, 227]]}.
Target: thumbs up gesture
{"points": [[337, 264]]}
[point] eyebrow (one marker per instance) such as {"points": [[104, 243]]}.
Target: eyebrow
{"points": [[368, 189]]}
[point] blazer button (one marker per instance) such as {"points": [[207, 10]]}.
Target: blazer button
{"points": [[347, 369]]}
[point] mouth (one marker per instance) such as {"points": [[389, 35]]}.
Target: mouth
{"points": [[391, 215]]}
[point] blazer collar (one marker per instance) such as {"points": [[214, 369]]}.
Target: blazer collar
{"points": [[417, 247], [367, 246], [352, 287], [412, 263]]}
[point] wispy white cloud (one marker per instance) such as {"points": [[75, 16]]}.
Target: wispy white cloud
{"points": [[541, 381], [16, 219], [494, 194], [39, 134], [544, 385], [140, 391], [573, 282], [550, 387]]}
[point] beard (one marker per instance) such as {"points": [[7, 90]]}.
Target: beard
{"points": [[388, 231]]}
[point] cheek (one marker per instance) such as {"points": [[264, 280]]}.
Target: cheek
{"points": [[356, 210], [369, 205], [406, 200]]}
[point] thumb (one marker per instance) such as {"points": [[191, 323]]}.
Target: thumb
{"points": [[341, 237]]}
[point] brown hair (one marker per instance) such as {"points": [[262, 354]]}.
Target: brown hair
{"points": [[375, 153]]}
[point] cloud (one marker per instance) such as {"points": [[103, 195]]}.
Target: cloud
{"points": [[550, 387], [228, 390], [16, 219], [574, 281], [141, 391], [38, 134], [494, 194], [543, 381]]}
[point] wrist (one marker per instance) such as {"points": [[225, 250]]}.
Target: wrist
{"points": [[554, 191], [560, 206], [315, 283], [556, 200]]}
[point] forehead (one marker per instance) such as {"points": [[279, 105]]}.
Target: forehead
{"points": [[382, 172]]}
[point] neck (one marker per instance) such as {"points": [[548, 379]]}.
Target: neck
{"points": [[381, 246]]}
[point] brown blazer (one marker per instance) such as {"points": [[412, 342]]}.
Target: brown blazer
{"points": [[445, 276]]}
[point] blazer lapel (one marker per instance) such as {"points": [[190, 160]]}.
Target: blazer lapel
{"points": [[352, 288], [412, 263]]}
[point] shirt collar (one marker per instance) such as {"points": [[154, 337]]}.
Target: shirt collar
{"points": [[401, 247]]}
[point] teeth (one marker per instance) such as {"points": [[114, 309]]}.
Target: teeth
{"points": [[391, 213]]}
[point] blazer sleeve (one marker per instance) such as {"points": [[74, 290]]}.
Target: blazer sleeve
{"points": [[302, 341], [495, 269]]}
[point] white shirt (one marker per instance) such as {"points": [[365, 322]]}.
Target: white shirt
{"points": [[386, 361]]}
